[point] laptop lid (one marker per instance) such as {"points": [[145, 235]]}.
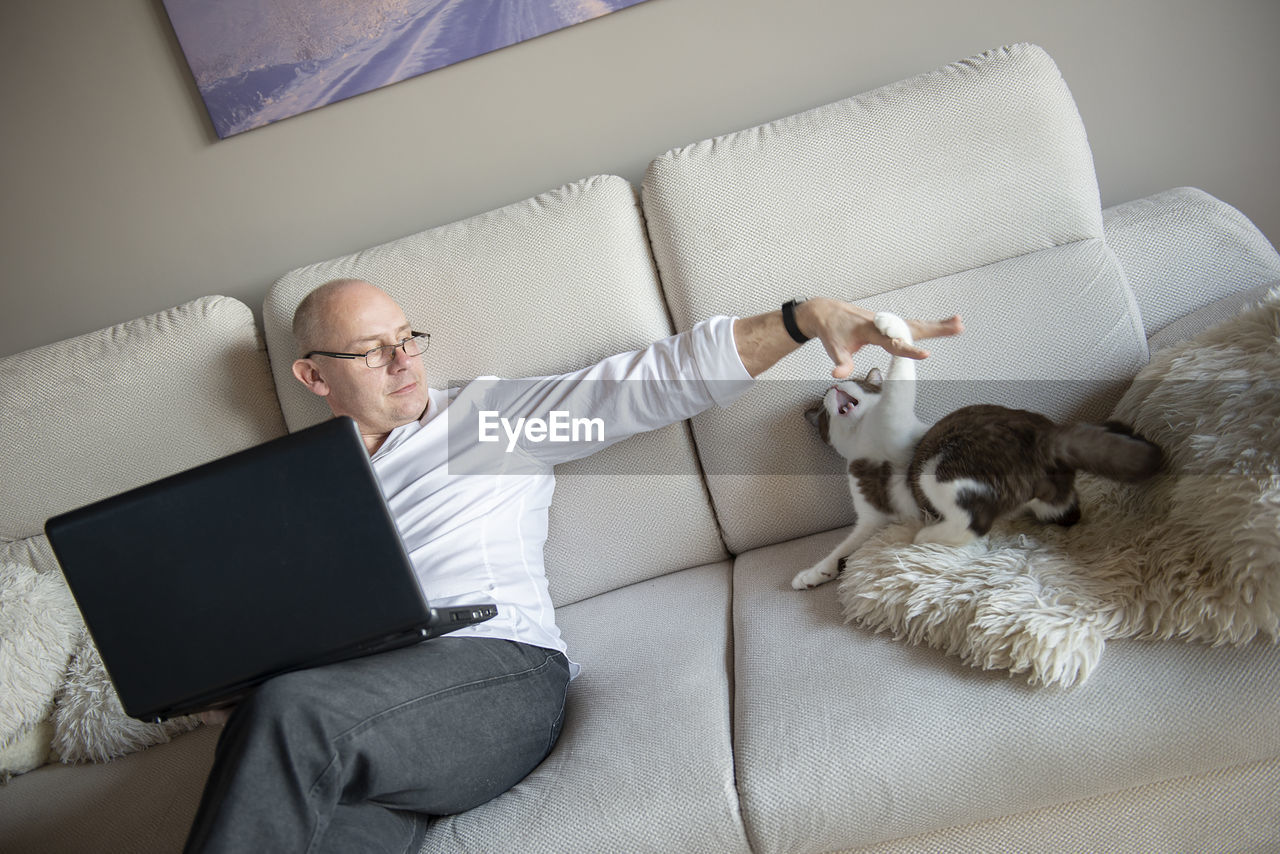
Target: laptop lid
{"points": [[282, 556]]}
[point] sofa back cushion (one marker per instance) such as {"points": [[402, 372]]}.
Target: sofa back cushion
{"points": [[95, 415], [1183, 250], [969, 189], [543, 286]]}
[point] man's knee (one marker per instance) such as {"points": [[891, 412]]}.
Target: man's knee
{"points": [[298, 702]]}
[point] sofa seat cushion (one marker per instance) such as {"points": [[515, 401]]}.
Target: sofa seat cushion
{"points": [[643, 763], [845, 738], [143, 803], [1217, 811], [543, 286]]}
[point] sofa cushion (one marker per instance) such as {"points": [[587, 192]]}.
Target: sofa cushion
{"points": [[143, 803], [976, 162], [970, 190], [1069, 353], [845, 738], [1191, 554], [1183, 249], [110, 410], [107, 411], [543, 286], [1190, 325], [645, 750], [1227, 810]]}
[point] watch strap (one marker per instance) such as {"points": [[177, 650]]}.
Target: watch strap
{"points": [[789, 321]]}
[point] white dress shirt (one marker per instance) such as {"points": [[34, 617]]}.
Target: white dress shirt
{"points": [[473, 511]]}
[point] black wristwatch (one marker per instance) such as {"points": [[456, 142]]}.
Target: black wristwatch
{"points": [[789, 320]]}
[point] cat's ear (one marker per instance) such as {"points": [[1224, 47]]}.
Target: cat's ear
{"points": [[820, 418], [875, 378]]}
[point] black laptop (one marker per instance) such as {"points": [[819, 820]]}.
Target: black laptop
{"points": [[199, 586]]}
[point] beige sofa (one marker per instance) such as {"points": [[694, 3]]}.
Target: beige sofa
{"points": [[718, 709]]}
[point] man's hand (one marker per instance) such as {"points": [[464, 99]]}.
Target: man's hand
{"points": [[843, 328]]}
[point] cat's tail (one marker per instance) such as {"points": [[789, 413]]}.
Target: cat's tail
{"points": [[1112, 450]]}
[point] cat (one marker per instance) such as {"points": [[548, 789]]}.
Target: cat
{"points": [[974, 466]]}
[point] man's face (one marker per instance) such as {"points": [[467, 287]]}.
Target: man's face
{"points": [[356, 319]]}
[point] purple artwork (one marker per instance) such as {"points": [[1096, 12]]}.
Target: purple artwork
{"points": [[259, 61]]}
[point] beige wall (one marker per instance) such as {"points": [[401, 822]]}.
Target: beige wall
{"points": [[118, 200]]}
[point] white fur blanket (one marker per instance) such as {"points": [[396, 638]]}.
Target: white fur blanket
{"points": [[1193, 554]]}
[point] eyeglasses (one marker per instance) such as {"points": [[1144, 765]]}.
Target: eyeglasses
{"points": [[386, 354]]}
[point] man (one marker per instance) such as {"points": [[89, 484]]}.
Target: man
{"points": [[351, 756]]}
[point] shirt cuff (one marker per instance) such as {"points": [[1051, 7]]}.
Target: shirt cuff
{"points": [[716, 355]]}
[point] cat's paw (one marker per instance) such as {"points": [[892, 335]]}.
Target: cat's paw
{"points": [[894, 327], [816, 575]]}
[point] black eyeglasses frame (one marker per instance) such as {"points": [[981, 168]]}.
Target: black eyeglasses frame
{"points": [[400, 345]]}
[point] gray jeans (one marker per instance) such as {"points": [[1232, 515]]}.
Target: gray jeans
{"points": [[352, 756]]}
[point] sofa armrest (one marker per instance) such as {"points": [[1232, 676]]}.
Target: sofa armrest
{"points": [[1183, 249]]}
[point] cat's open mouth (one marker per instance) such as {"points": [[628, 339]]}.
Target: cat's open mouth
{"points": [[845, 402]]}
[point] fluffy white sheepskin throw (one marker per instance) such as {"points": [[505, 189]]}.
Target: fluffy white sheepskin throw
{"points": [[26, 752], [38, 626], [1193, 554], [90, 725], [53, 683]]}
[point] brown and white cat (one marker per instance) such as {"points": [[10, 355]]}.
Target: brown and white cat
{"points": [[976, 465]]}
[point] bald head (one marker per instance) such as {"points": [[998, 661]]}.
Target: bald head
{"points": [[350, 316], [314, 317]]}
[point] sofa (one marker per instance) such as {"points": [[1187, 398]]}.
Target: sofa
{"points": [[718, 709]]}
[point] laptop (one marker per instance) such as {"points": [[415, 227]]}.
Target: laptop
{"points": [[198, 587]]}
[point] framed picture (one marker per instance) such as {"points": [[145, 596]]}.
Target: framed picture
{"points": [[259, 61]]}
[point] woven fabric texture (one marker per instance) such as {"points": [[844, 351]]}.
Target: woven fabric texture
{"points": [[1054, 331], [143, 803], [34, 552], [1219, 311], [1183, 249], [973, 163], [844, 738], [646, 739], [95, 415], [969, 189], [539, 287], [1235, 809]]}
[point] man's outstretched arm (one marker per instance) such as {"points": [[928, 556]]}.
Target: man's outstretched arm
{"points": [[843, 328]]}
